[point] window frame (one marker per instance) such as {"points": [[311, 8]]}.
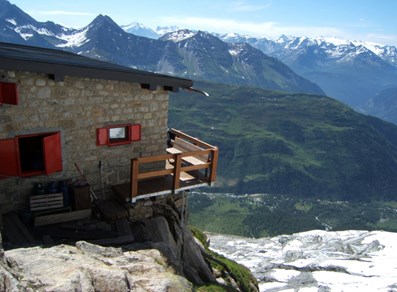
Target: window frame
{"points": [[133, 134], [10, 152], [120, 141]]}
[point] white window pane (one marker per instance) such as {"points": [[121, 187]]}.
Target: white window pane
{"points": [[117, 133]]}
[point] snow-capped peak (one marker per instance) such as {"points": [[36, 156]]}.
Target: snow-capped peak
{"points": [[134, 24], [139, 29], [180, 35], [162, 30]]}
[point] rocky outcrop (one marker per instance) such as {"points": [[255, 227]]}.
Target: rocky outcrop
{"points": [[87, 267], [163, 257], [166, 233]]}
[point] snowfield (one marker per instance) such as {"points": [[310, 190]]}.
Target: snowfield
{"points": [[317, 260]]}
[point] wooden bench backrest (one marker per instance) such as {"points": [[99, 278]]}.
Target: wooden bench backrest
{"points": [[186, 146]]}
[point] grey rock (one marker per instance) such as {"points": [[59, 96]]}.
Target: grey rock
{"points": [[178, 245], [87, 267]]}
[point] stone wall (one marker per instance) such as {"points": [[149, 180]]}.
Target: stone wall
{"points": [[76, 107]]}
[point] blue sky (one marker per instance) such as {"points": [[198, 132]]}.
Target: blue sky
{"points": [[366, 20]]}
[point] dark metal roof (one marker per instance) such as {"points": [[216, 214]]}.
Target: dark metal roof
{"points": [[59, 64]]}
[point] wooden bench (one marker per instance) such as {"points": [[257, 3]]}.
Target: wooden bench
{"points": [[181, 146]]}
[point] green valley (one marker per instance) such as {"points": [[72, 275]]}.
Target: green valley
{"points": [[297, 145], [260, 215]]}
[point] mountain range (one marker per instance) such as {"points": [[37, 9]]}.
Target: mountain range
{"points": [[351, 71], [201, 56]]}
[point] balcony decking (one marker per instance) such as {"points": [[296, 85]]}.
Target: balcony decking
{"points": [[190, 163]]}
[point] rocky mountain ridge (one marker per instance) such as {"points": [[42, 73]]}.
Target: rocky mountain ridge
{"points": [[205, 58], [383, 105], [350, 71], [387, 52]]}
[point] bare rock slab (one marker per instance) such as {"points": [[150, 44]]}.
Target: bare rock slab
{"points": [[87, 267]]}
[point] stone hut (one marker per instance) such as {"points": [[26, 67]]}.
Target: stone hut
{"points": [[66, 118]]}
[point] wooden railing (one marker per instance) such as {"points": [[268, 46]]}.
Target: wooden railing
{"points": [[199, 162]]}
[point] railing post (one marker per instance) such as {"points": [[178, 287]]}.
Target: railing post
{"points": [[134, 178], [177, 172], [214, 165]]}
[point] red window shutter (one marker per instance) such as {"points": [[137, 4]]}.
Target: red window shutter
{"points": [[102, 136], [8, 93], [52, 153], [8, 158], [135, 132]]}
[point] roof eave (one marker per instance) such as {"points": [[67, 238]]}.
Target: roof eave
{"points": [[59, 71]]}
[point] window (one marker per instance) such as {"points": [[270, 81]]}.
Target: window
{"points": [[118, 134], [8, 93], [31, 155]]}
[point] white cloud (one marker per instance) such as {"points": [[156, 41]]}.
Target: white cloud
{"points": [[381, 38]]}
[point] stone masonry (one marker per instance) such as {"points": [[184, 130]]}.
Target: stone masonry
{"points": [[76, 107]]}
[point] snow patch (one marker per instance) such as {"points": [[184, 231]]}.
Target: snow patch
{"points": [[180, 35], [74, 40], [337, 261], [26, 36], [234, 52], [44, 31], [12, 21]]}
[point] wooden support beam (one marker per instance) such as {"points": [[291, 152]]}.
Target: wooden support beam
{"points": [[134, 177], [177, 171], [214, 165]]}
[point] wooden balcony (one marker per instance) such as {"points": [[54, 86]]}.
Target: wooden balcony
{"points": [[189, 163]]}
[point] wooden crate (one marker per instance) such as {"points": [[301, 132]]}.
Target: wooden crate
{"points": [[46, 202]]}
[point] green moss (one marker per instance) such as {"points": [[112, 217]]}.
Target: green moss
{"points": [[242, 275], [199, 235], [212, 288]]}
